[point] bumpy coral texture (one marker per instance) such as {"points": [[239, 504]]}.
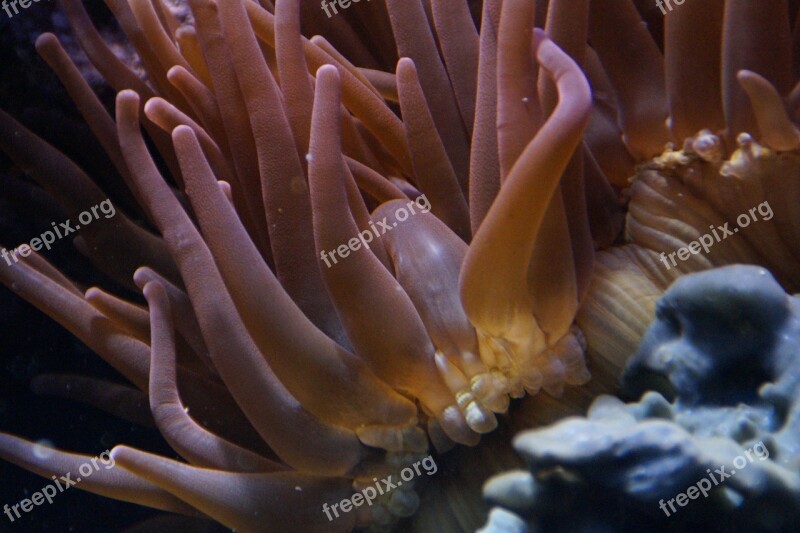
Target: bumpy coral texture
{"points": [[721, 366]]}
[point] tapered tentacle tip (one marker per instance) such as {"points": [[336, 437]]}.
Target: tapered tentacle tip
{"points": [[154, 291], [141, 276], [327, 73], [479, 419], [478, 416], [133, 459], [456, 427], [122, 454], [152, 105], [225, 187], [753, 83], [777, 130], [182, 134], [539, 36], [128, 97], [92, 293], [745, 76], [46, 40], [405, 64], [175, 71], [491, 389]]}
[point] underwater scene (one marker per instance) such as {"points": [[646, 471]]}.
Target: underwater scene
{"points": [[418, 266]]}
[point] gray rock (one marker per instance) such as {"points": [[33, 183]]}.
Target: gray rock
{"points": [[713, 439], [501, 521]]}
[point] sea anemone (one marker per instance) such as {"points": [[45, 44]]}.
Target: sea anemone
{"points": [[309, 377], [308, 380], [720, 99]]}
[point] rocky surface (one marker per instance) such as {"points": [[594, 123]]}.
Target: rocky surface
{"points": [[711, 442]]}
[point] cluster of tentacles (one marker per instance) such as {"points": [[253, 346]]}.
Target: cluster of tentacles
{"points": [[290, 384], [723, 101], [296, 380]]}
